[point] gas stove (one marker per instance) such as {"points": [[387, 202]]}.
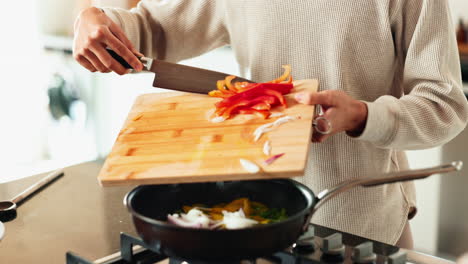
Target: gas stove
{"points": [[318, 245]]}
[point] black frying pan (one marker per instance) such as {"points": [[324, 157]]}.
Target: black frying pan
{"points": [[150, 205]]}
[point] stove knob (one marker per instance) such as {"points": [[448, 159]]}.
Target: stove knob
{"points": [[333, 245], [364, 253], [305, 243], [397, 258]]}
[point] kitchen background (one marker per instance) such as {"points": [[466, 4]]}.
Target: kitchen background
{"points": [[55, 113]]}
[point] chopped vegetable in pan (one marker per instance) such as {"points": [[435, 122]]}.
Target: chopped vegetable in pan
{"points": [[240, 213]]}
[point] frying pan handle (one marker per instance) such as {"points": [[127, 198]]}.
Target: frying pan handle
{"points": [[401, 176], [307, 220]]}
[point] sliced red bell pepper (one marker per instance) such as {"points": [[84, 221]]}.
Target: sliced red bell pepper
{"points": [[262, 106], [287, 72], [229, 85], [283, 88], [228, 110], [250, 111], [243, 86], [258, 90], [277, 95], [251, 98], [226, 85], [217, 93]]}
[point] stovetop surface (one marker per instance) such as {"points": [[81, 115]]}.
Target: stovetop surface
{"points": [[75, 214], [310, 249], [318, 245]]}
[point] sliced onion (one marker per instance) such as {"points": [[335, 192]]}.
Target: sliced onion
{"points": [[237, 220], [218, 119], [197, 216], [231, 220], [249, 166], [262, 130], [283, 120], [193, 219], [272, 159], [270, 126], [267, 148], [177, 220]]}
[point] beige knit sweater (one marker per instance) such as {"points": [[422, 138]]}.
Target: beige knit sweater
{"points": [[399, 56]]}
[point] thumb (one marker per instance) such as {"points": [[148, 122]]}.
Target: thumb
{"points": [[303, 98]]}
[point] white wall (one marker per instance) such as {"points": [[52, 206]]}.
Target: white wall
{"points": [[453, 224], [23, 102], [459, 10], [425, 223]]}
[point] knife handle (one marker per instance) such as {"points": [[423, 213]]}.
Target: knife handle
{"points": [[147, 62], [121, 60]]}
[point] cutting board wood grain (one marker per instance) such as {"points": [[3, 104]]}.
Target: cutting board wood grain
{"points": [[169, 138]]}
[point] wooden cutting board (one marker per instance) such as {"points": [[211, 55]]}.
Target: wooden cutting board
{"points": [[169, 138]]}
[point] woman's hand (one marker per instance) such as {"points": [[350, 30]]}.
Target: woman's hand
{"points": [[341, 110], [94, 31]]}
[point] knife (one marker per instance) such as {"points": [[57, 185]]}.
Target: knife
{"points": [[179, 77]]}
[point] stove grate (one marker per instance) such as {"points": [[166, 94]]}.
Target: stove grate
{"points": [[150, 256]]}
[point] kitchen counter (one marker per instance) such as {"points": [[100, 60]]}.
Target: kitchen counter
{"points": [[72, 214]]}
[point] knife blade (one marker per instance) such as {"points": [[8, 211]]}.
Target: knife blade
{"points": [[179, 77]]}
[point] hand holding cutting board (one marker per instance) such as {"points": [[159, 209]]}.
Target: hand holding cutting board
{"points": [[342, 112]]}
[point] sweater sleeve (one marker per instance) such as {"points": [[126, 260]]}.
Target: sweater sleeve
{"points": [[432, 108], [173, 30]]}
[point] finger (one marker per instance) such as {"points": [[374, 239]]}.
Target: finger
{"points": [[107, 59], [319, 138], [115, 44], [315, 136], [93, 59], [118, 32], [303, 98], [85, 63], [322, 138], [325, 98], [139, 54], [337, 120]]}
